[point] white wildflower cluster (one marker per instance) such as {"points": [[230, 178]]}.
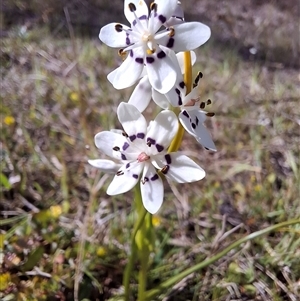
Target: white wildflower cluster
{"points": [[152, 47]]}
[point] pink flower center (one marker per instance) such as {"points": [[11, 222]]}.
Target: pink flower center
{"points": [[142, 157]]}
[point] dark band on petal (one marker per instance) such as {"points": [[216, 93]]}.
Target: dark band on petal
{"points": [[159, 147], [131, 53], [177, 91], [120, 173], [185, 113], [179, 100], [127, 39], [132, 138], [181, 85], [162, 18], [161, 55], [155, 177], [135, 176], [168, 158], [199, 75], [150, 141], [149, 59], [140, 135], [170, 43], [123, 157], [197, 121], [139, 60], [143, 17], [127, 165], [116, 148], [193, 125], [125, 146]]}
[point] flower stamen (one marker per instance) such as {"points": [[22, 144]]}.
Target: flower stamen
{"points": [[172, 32], [165, 169], [132, 7], [119, 27], [153, 6]]}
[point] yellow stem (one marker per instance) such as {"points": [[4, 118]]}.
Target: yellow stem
{"points": [[175, 144]]}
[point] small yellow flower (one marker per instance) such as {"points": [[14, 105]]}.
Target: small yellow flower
{"points": [[156, 220], [101, 252], [74, 96], [258, 188], [4, 281], [9, 120], [56, 211]]}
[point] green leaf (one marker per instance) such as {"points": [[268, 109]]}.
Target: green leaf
{"points": [[34, 257], [4, 181]]}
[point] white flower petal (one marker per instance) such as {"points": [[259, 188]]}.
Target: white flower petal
{"points": [[160, 68], [107, 140], [152, 190], [124, 182], [192, 121], [165, 10], [111, 37], [203, 136], [128, 73], [177, 16], [180, 59], [133, 122], [141, 95], [141, 9], [161, 131], [180, 168], [160, 99], [107, 166], [187, 36], [193, 95]]}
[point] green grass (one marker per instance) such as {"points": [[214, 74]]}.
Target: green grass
{"points": [[61, 231]]}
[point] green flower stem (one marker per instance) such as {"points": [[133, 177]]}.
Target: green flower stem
{"points": [[175, 144], [144, 240], [143, 276], [175, 279], [139, 223], [142, 243]]}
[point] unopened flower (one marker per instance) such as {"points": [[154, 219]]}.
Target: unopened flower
{"points": [[147, 46], [141, 153]]}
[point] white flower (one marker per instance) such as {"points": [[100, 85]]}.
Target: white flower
{"points": [[192, 119], [191, 116], [146, 46], [141, 152]]}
